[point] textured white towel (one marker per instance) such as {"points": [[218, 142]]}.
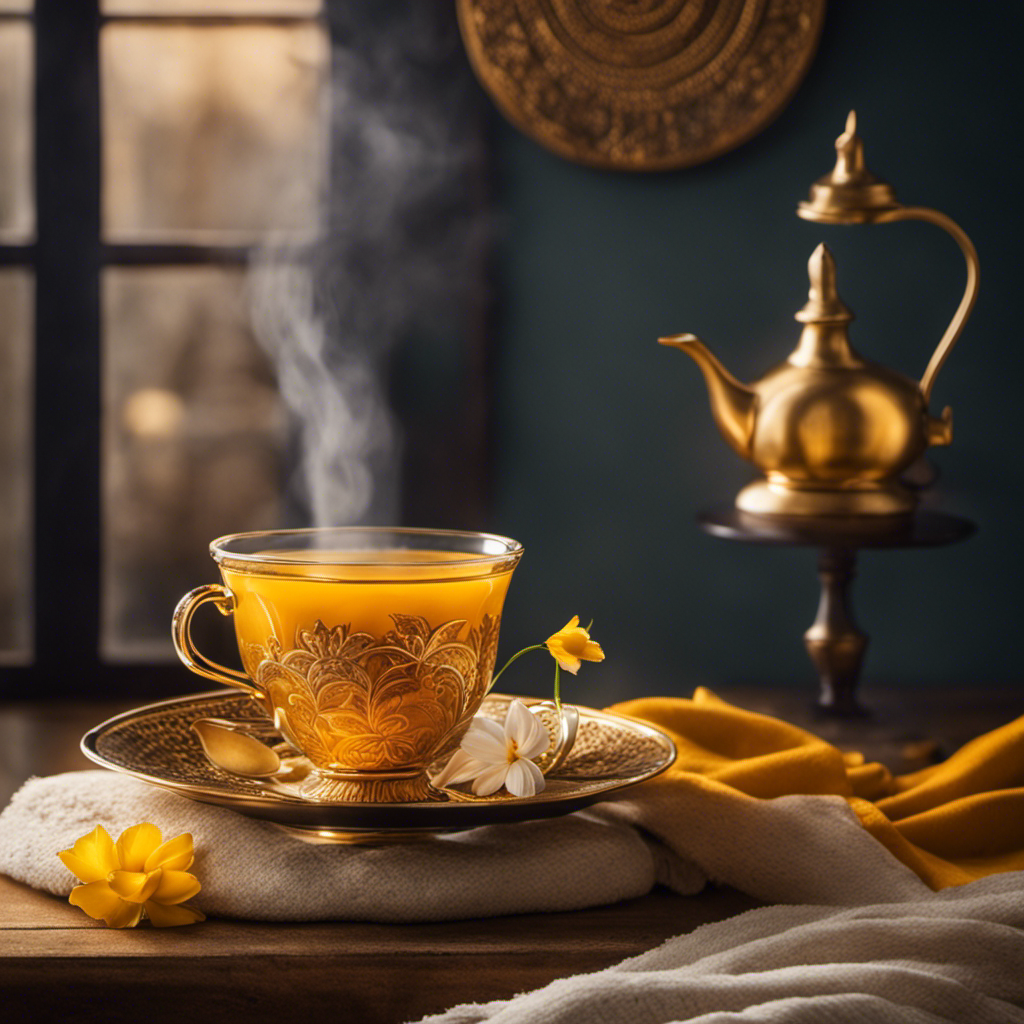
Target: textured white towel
{"points": [[251, 869], [955, 957], [793, 849]]}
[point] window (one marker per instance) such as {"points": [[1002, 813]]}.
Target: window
{"points": [[147, 148], [213, 142], [156, 158]]}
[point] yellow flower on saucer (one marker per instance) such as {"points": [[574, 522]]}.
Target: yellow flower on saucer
{"points": [[572, 645], [138, 873]]}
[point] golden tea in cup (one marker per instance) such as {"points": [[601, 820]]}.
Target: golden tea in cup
{"points": [[370, 648]]}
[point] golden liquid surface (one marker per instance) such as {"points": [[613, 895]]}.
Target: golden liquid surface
{"points": [[365, 593]]}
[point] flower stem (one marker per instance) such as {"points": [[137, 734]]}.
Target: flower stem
{"points": [[518, 654], [558, 699]]}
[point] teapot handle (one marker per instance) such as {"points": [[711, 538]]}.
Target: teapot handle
{"points": [[956, 325]]}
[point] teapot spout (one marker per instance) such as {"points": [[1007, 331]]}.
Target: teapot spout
{"points": [[732, 404]]}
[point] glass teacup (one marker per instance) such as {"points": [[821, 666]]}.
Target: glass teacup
{"points": [[370, 648]]}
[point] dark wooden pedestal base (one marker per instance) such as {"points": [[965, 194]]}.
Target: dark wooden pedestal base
{"points": [[835, 645]]}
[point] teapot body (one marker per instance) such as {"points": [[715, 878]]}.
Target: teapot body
{"points": [[829, 426], [834, 440], [830, 430]]}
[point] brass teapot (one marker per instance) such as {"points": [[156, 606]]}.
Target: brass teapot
{"points": [[832, 431]]}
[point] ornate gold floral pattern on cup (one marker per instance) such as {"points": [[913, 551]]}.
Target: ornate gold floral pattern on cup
{"points": [[357, 703]]}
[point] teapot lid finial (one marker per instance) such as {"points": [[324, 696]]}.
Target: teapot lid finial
{"points": [[849, 193], [850, 155], [823, 303]]}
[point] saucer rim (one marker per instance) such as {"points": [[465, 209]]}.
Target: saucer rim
{"points": [[450, 815]]}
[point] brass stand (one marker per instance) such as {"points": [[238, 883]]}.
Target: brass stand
{"points": [[835, 645]]}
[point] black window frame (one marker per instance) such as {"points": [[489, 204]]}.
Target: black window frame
{"points": [[67, 258]]}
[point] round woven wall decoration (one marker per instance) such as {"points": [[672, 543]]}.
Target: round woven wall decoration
{"points": [[641, 84]]}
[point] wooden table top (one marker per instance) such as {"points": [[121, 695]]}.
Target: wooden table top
{"points": [[58, 965]]}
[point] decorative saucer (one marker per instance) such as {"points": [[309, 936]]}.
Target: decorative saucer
{"points": [[157, 744]]}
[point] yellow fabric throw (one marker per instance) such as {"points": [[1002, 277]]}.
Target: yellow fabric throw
{"points": [[951, 823]]}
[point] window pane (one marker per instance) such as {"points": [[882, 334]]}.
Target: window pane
{"points": [[15, 465], [212, 133], [192, 439], [198, 8], [17, 217]]}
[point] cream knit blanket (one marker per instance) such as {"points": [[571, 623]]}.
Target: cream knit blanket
{"points": [[792, 849], [251, 869]]}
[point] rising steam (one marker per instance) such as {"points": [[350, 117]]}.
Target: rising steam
{"points": [[402, 250]]}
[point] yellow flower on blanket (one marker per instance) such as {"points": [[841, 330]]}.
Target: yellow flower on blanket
{"points": [[140, 873]]}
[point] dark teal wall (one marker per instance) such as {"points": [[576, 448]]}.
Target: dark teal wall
{"points": [[605, 445]]}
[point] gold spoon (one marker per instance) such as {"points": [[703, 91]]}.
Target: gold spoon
{"points": [[235, 751]]}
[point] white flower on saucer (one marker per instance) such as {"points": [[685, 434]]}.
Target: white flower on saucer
{"points": [[494, 756]]}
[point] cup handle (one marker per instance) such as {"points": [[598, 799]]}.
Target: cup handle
{"points": [[224, 601]]}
